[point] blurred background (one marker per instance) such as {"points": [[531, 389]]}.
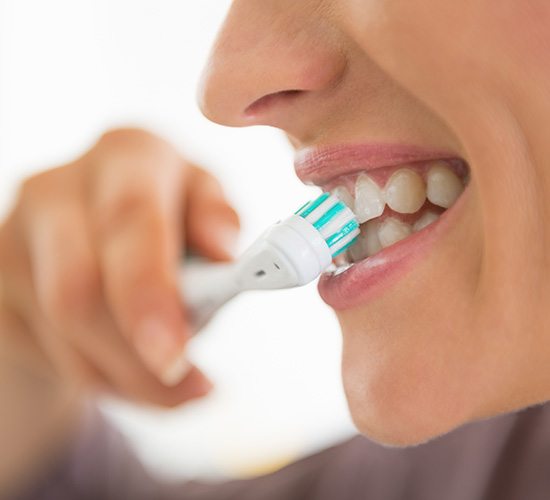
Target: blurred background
{"points": [[69, 69]]}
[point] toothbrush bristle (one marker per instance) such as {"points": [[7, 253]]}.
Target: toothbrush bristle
{"points": [[334, 220]]}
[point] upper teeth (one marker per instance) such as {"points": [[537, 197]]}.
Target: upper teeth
{"points": [[405, 192], [369, 199], [444, 186], [343, 194]]}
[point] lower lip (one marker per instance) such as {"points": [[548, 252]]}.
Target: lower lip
{"points": [[370, 278]]}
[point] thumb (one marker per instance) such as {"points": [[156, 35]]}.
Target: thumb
{"points": [[211, 223]]}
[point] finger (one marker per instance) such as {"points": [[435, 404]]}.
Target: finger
{"points": [[61, 285], [135, 203], [20, 300], [125, 373], [211, 224], [96, 356], [74, 325]]}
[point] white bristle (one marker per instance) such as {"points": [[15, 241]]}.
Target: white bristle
{"points": [[322, 208], [332, 228], [337, 223], [344, 241]]}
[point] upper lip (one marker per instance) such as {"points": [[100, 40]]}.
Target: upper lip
{"points": [[320, 165]]}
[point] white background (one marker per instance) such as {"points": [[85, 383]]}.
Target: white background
{"points": [[71, 68]]}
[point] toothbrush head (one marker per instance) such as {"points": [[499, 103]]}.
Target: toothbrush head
{"points": [[334, 220], [297, 250]]}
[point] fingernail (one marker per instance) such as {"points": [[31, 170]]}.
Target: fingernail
{"points": [[156, 344], [227, 237], [203, 388], [176, 371], [207, 386]]}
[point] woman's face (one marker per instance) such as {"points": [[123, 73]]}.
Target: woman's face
{"points": [[396, 102]]}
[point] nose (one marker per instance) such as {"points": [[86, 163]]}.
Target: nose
{"points": [[272, 59]]}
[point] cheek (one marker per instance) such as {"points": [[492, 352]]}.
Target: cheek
{"points": [[463, 336], [433, 47]]}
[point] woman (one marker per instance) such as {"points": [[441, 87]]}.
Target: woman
{"points": [[395, 101]]}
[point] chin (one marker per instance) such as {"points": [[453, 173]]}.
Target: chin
{"points": [[399, 422], [403, 401]]}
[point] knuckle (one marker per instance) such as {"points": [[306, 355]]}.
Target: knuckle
{"points": [[32, 188], [42, 181], [43, 190], [136, 142], [125, 134]]}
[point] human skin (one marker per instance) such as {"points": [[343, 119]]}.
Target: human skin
{"points": [[464, 333], [73, 305]]}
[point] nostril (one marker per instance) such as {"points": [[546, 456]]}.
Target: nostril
{"points": [[270, 100]]}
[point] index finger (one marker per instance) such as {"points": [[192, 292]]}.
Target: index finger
{"points": [[136, 208]]}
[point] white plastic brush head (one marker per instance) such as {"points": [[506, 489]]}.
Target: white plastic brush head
{"points": [[297, 250], [290, 253]]}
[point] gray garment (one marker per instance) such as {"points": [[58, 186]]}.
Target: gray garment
{"points": [[505, 458]]}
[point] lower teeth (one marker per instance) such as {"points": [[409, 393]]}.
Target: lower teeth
{"points": [[377, 235]]}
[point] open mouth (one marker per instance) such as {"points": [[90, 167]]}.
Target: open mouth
{"points": [[392, 203], [400, 196]]}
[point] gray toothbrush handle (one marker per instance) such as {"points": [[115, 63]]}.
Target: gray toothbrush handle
{"points": [[205, 288]]}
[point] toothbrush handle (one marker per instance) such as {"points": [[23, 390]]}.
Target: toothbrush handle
{"points": [[205, 288]]}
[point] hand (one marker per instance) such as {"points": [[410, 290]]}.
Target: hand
{"points": [[89, 258]]}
